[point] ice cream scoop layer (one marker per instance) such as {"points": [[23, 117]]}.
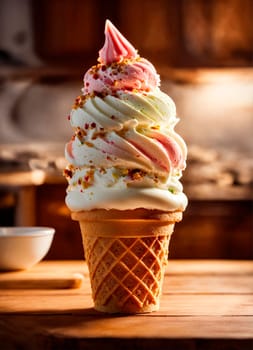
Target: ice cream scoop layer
{"points": [[125, 153], [120, 67]]}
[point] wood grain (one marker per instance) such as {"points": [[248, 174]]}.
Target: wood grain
{"points": [[205, 305]]}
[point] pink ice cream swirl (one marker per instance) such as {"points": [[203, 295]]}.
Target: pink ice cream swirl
{"points": [[120, 67]]}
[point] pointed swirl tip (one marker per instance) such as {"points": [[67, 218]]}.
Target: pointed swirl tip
{"points": [[116, 46]]}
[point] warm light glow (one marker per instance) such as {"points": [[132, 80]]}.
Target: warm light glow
{"points": [[216, 108], [220, 76], [61, 163], [38, 177], [62, 210], [224, 94]]}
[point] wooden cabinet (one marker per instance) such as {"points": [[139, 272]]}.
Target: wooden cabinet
{"points": [[175, 33]]}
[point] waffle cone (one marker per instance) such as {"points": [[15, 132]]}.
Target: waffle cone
{"points": [[126, 253]]}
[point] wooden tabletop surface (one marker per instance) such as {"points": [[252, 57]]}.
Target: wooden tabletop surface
{"points": [[206, 304]]}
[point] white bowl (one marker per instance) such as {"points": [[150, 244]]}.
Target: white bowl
{"points": [[23, 247]]}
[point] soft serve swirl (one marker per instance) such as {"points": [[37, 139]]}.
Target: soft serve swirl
{"points": [[124, 153]]}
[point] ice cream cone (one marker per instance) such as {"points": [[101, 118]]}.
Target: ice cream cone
{"points": [[126, 253]]}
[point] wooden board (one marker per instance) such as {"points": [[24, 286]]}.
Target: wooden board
{"points": [[205, 305]]}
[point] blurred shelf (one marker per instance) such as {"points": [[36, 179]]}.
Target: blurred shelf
{"points": [[216, 192]]}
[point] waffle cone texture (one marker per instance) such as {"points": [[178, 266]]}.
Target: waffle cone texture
{"points": [[126, 253]]}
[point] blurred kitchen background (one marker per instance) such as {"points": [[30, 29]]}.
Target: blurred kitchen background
{"points": [[203, 50]]}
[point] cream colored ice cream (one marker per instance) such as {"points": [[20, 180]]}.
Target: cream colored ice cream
{"points": [[125, 153]]}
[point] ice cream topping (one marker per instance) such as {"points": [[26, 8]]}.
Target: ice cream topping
{"points": [[116, 47], [124, 153], [120, 68]]}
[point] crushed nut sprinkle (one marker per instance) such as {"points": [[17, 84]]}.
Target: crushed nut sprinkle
{"points": [[99, 94], [88, 179], [80, 101], [68, 173], [97, 134], [80, 134], [102, 170], [156, 179], [136, 174], [155, 127], [89, 144], [89, 126], [124, 172]]}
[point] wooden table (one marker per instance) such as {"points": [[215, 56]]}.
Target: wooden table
{"points": [[205, 305]]}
